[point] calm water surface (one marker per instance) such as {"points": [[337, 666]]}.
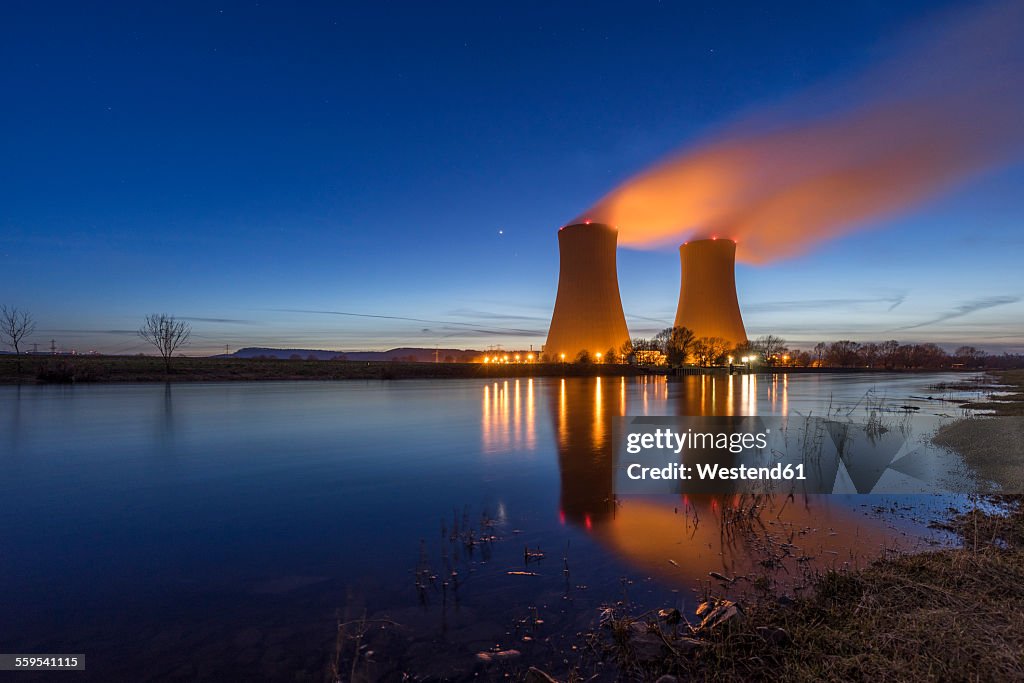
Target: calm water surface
{"points": [[219, 530]]}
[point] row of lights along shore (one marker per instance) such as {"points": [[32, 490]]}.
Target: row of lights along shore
{"points": [[528, 358]]}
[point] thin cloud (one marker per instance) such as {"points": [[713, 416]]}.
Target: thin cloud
{"points": [[487, 315], [469, 326], [85, 331], [967, 308], [228, 321], [482, 332], [663, 321], [822, 304]]}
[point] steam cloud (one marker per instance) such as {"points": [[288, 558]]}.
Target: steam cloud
{"points": [[946, 105]]}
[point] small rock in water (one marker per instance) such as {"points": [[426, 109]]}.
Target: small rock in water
{"points": [[648, 647], [671, 616], [721, 612], [500, 656], [687, 645]]}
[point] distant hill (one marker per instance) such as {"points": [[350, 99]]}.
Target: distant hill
{"points": [[406, 354]]}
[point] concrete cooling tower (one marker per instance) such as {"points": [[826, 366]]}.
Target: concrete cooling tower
{"points": [[588, 311], [707, 290]]}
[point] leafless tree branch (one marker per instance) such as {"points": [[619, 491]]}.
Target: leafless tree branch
{"points": [[15, 325], [166, 334]]}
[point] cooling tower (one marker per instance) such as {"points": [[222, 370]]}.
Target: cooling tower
{"points": [[588, 311], [707, 290]]}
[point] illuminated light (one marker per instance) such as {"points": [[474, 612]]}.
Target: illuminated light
{"points": [[730, 360], [598, 355], [563, 357], [588, 522], [517, 357], [586, 222], [561, 517], [486, 359], [529, 357], [744, 359]]}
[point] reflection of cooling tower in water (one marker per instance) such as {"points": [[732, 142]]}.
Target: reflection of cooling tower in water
{"points": [[582, 409], [707, 290], [588, 311]]}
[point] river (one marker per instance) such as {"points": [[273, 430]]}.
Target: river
{"points": [[221, 530]]}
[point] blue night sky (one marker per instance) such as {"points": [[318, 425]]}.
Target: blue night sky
{"points": [[258, 168]]}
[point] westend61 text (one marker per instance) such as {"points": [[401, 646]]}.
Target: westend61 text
{"points": [[714, 472]]}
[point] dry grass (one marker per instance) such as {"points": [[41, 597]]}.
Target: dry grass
{"points": [[945, 615]]}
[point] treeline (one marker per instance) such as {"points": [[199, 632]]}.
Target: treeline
{"points": [[677, 346], [896, 356]]}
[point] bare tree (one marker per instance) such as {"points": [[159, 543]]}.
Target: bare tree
{"points": [[15, 325], [819, 353], [676, 343], [888, 353], [969, 356], [843, 353], [626, 353], [770, 347], [709, 350], [166, 334]]}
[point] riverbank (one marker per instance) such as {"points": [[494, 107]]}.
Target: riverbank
{"points": [[992, 444], [105, 369], [1009, 401], [950, 614]]}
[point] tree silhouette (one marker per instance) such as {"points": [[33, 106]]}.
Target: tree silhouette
{"points": [[15, 325], [166, 334], [676, 343]]}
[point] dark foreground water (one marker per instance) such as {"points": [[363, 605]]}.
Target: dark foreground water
{"points": [[221, 531]]}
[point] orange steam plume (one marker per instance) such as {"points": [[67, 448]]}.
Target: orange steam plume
{"points": [[948, 105]]}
